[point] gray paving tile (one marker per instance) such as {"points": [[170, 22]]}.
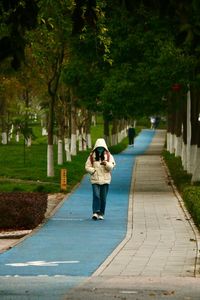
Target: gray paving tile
{"points": [[160, 242]]}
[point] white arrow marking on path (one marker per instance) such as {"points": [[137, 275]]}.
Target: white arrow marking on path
{"points": [[42, 263]]}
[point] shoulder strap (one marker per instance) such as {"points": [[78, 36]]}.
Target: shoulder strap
{"points": [[92, 158], [108, 156]]}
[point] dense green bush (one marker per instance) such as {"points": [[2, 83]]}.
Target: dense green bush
{"points": [[182, 180], [22, 210], [180, 177], [191, 197]]}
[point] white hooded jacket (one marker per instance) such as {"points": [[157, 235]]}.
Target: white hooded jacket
{"points": [[100, 174]]}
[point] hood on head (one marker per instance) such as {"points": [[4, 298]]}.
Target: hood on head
{"points": [[100, 143]]}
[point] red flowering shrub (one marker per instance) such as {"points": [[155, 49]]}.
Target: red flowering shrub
{"points": [[22, 210]]}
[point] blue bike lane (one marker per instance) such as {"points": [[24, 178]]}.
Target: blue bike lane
{"points": [[71, 243]]}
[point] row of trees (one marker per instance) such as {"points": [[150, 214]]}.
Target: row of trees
{"points": [[124, 58]]}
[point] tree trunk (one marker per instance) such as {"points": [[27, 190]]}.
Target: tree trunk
{"points": [[50, 161], [194, 128], [184, 133], [93, 121], [60, 121], [3, 120], [60, 151], [80, 139], [67, 128], [188, 165], [84, 139], [29, 141], [50, 156], [67, 149], [73, 127], [52, 89], [106, 131], [196, 170], [17, 137], [178, 131], [120, 133], [87, 129], [114, 132], [4, 138], [171, 118]]}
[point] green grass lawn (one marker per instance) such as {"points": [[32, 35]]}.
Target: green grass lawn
{"points": [[25, 169], [33, 170]]}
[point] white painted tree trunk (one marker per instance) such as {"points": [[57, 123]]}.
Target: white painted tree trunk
{"points": [[80, 145], [124, 133], [11, 133], [94, 120], [4, 138], [73, 149], [168, 140], [184, 156], [29, 142], [44, 132], [193, 157], [175, 143], [119, 137], [77, 133], [178, 148], [55, 139], [67, 149], [89, 141], [84, 141], [50, 162], [188, 165], [171, 143], [196, 173], [60, 152], [17, 137], [114, 139]]}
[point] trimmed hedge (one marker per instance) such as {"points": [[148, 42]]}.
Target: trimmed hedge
{"points": [[180, 177], [22, 210], [182, 180], [191, 197]]}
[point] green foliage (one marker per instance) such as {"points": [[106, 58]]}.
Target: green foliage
{"points": [[146, 63], [190, 194], [96, 132], [191, 197], [120, 147], [179, 175]]}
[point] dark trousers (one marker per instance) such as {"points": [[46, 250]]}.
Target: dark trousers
{"points": [[131, 140], [100, 192]]}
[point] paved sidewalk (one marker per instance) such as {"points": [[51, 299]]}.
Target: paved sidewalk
{"points": [[159, 258], [160, 241]]}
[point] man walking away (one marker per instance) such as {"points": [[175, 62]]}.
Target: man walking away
{"points": [[131, 135]]}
